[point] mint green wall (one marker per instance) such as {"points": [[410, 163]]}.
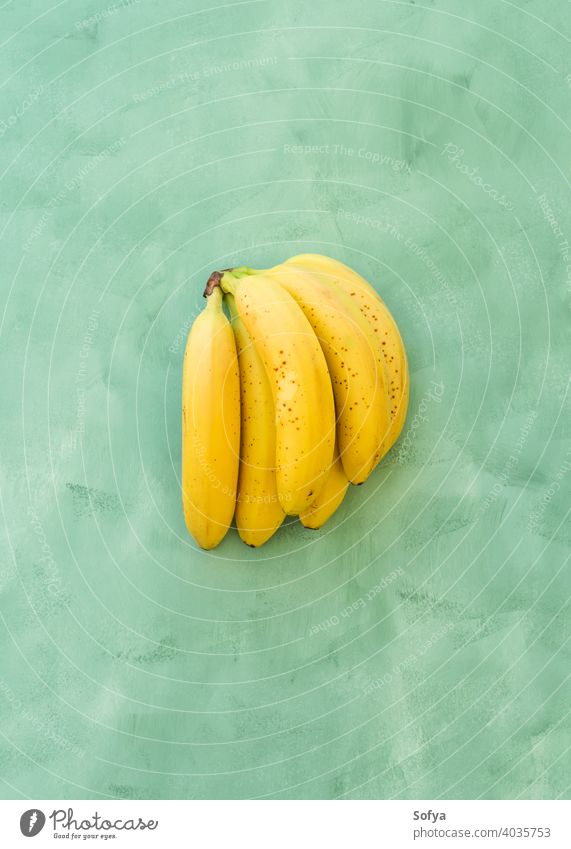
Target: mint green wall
{"points": [[418, 646]]}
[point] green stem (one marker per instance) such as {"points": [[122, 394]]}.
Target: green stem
{"points": [[244, 271], [228, 283], [227, 279], [232, 308], [240, 271]]}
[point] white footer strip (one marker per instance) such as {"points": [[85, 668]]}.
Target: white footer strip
{"points": [[287, 824]]}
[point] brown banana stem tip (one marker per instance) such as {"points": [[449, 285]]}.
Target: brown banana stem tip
{"points": [[212, 283], [215, 280]]}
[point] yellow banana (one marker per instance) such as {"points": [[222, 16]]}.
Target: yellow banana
{"points": [[258, 510], [383, 324], [300, 385], [329, 498], [355, 364], [210, 425]]}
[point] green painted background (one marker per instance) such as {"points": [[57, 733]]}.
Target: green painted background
{"points": [[418, 646]]}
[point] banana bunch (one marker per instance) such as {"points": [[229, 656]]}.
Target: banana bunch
{"points": [[300, 392]]}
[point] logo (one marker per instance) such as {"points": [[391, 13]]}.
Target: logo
{"points": [[64, 823], [32, 822]]}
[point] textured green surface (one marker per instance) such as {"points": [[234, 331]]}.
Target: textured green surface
{"points": [[417, 647]]}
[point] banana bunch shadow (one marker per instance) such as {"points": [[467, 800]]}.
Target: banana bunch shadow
{"points": [[298, 392]]}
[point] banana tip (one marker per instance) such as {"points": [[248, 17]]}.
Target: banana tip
{"points": [[212, 282]]}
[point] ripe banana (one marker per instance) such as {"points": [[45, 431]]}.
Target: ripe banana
{"points": [[329, 498], [383, 324], [300, 385], [258, 510], [210, 425], [309, 339], [356, 366]]}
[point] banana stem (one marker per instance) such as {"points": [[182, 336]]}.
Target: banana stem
{"points": [[244, 271], [214, 299], [231, 303], [227, 279], [240, 271], [212, 283], [228, 283]]}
